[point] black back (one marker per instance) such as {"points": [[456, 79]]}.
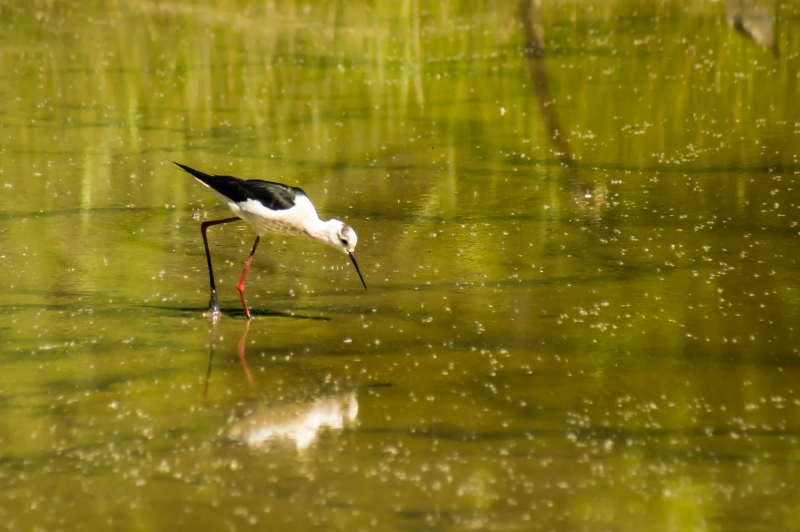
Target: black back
{"points": [[275, 196]]}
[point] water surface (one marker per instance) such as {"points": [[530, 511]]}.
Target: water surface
{"points": [[578, 223]]}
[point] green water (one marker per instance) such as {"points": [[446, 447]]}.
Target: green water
{"points": [[578, 225]]}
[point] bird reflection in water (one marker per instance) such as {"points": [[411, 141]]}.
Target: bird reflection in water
{"points": [[299, 423], [214, 326]]}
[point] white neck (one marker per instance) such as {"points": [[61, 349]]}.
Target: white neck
{"points": [[322, 231]]}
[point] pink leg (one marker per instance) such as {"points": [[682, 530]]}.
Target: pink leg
{"points": [[240, 286]]}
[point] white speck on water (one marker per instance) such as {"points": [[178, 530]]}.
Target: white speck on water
{"points": [[348, 340], [502, 111]]}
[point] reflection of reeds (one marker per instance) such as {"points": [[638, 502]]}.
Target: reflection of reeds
{"points": [[187, 72], [219, 69], [530, 15], [377, 102]]}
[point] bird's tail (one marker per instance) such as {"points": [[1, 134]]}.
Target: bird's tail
{"points": [[205, 178], [227, 188]]}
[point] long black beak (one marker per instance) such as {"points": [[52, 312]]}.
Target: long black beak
{"points": [[353, 258]]}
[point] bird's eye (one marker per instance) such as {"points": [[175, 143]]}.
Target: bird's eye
{"points": [[344, 241]]}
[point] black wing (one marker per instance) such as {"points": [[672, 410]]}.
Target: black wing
{"points": [[275, 196]]}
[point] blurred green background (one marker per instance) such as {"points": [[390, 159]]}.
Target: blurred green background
{"points": [[578, 222]]}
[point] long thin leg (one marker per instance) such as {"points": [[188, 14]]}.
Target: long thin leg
{"points": [[213, 304], [240, 286]]}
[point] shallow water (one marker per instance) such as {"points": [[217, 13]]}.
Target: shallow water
{"points": [[578, 225]]}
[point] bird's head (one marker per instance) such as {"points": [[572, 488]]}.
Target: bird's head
{"points": [[344, 238]]}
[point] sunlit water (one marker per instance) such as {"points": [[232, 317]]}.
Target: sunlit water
{"points": [[578, 225]]}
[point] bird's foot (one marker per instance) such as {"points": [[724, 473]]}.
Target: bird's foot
{"points": [[213, 312], [214, 315], [244, 303]]}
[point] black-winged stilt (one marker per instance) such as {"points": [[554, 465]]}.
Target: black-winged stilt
{"points": [[270, 208]]}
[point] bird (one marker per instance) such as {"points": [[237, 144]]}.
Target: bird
{"points": [[270, 208]]}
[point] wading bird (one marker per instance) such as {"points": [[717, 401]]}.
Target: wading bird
{"points": [[270, 208]]}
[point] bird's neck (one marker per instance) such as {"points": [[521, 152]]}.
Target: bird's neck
{"points": [[319, 230]]}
